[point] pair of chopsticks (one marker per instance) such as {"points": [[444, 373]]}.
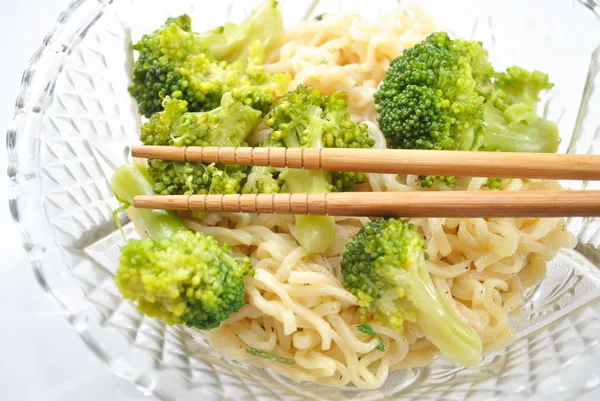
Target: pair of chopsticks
{"points": [[391, 161]]}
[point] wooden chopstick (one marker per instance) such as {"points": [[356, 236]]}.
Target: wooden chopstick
{"points": [[396, 161], [403, 204]]}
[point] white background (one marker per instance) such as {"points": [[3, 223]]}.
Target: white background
{"points": [[41, 358]]}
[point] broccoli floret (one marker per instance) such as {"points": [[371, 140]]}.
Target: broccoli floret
{"points": [[306, 118], [176, 275], [512, 123], [344, 134], [428, 98], [443, 94], [200, 68], [182, 21], [171, 62], [516, 86], [228, 125], [426, 181], [384, 266], [187, 278], [158, 130], [262, 180], [185, 178], [258, 88], [494, 183]]}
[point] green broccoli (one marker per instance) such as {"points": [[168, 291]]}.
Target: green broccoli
{"points": [[494, 183], [185, 178], [384, 266], [176, 275], [517, 86], [507, 131], [306, 118], [227, 125], [314, 233], [231, 42], [444, 94], [200, 68], [427, 181], [262, 180]]}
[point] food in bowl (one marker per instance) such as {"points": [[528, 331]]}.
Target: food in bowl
{"points": [[332, 300]]}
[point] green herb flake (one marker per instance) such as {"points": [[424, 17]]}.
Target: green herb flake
{"points": [[366, 328], [380, 345], [266, 355]]}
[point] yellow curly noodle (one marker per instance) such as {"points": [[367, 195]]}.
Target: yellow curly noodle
{"points": [[296, 306]]}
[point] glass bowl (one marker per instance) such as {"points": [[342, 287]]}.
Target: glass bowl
{"points": [[75, 122]]}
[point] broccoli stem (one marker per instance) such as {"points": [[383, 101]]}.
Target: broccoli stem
{"points": [[384, 266], [510, 131], [131, 180], [455, 340], [232, 41], [314, 233]]}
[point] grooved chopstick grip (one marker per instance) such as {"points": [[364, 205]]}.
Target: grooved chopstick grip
{"points": [[396, 161], [403, 204]]}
